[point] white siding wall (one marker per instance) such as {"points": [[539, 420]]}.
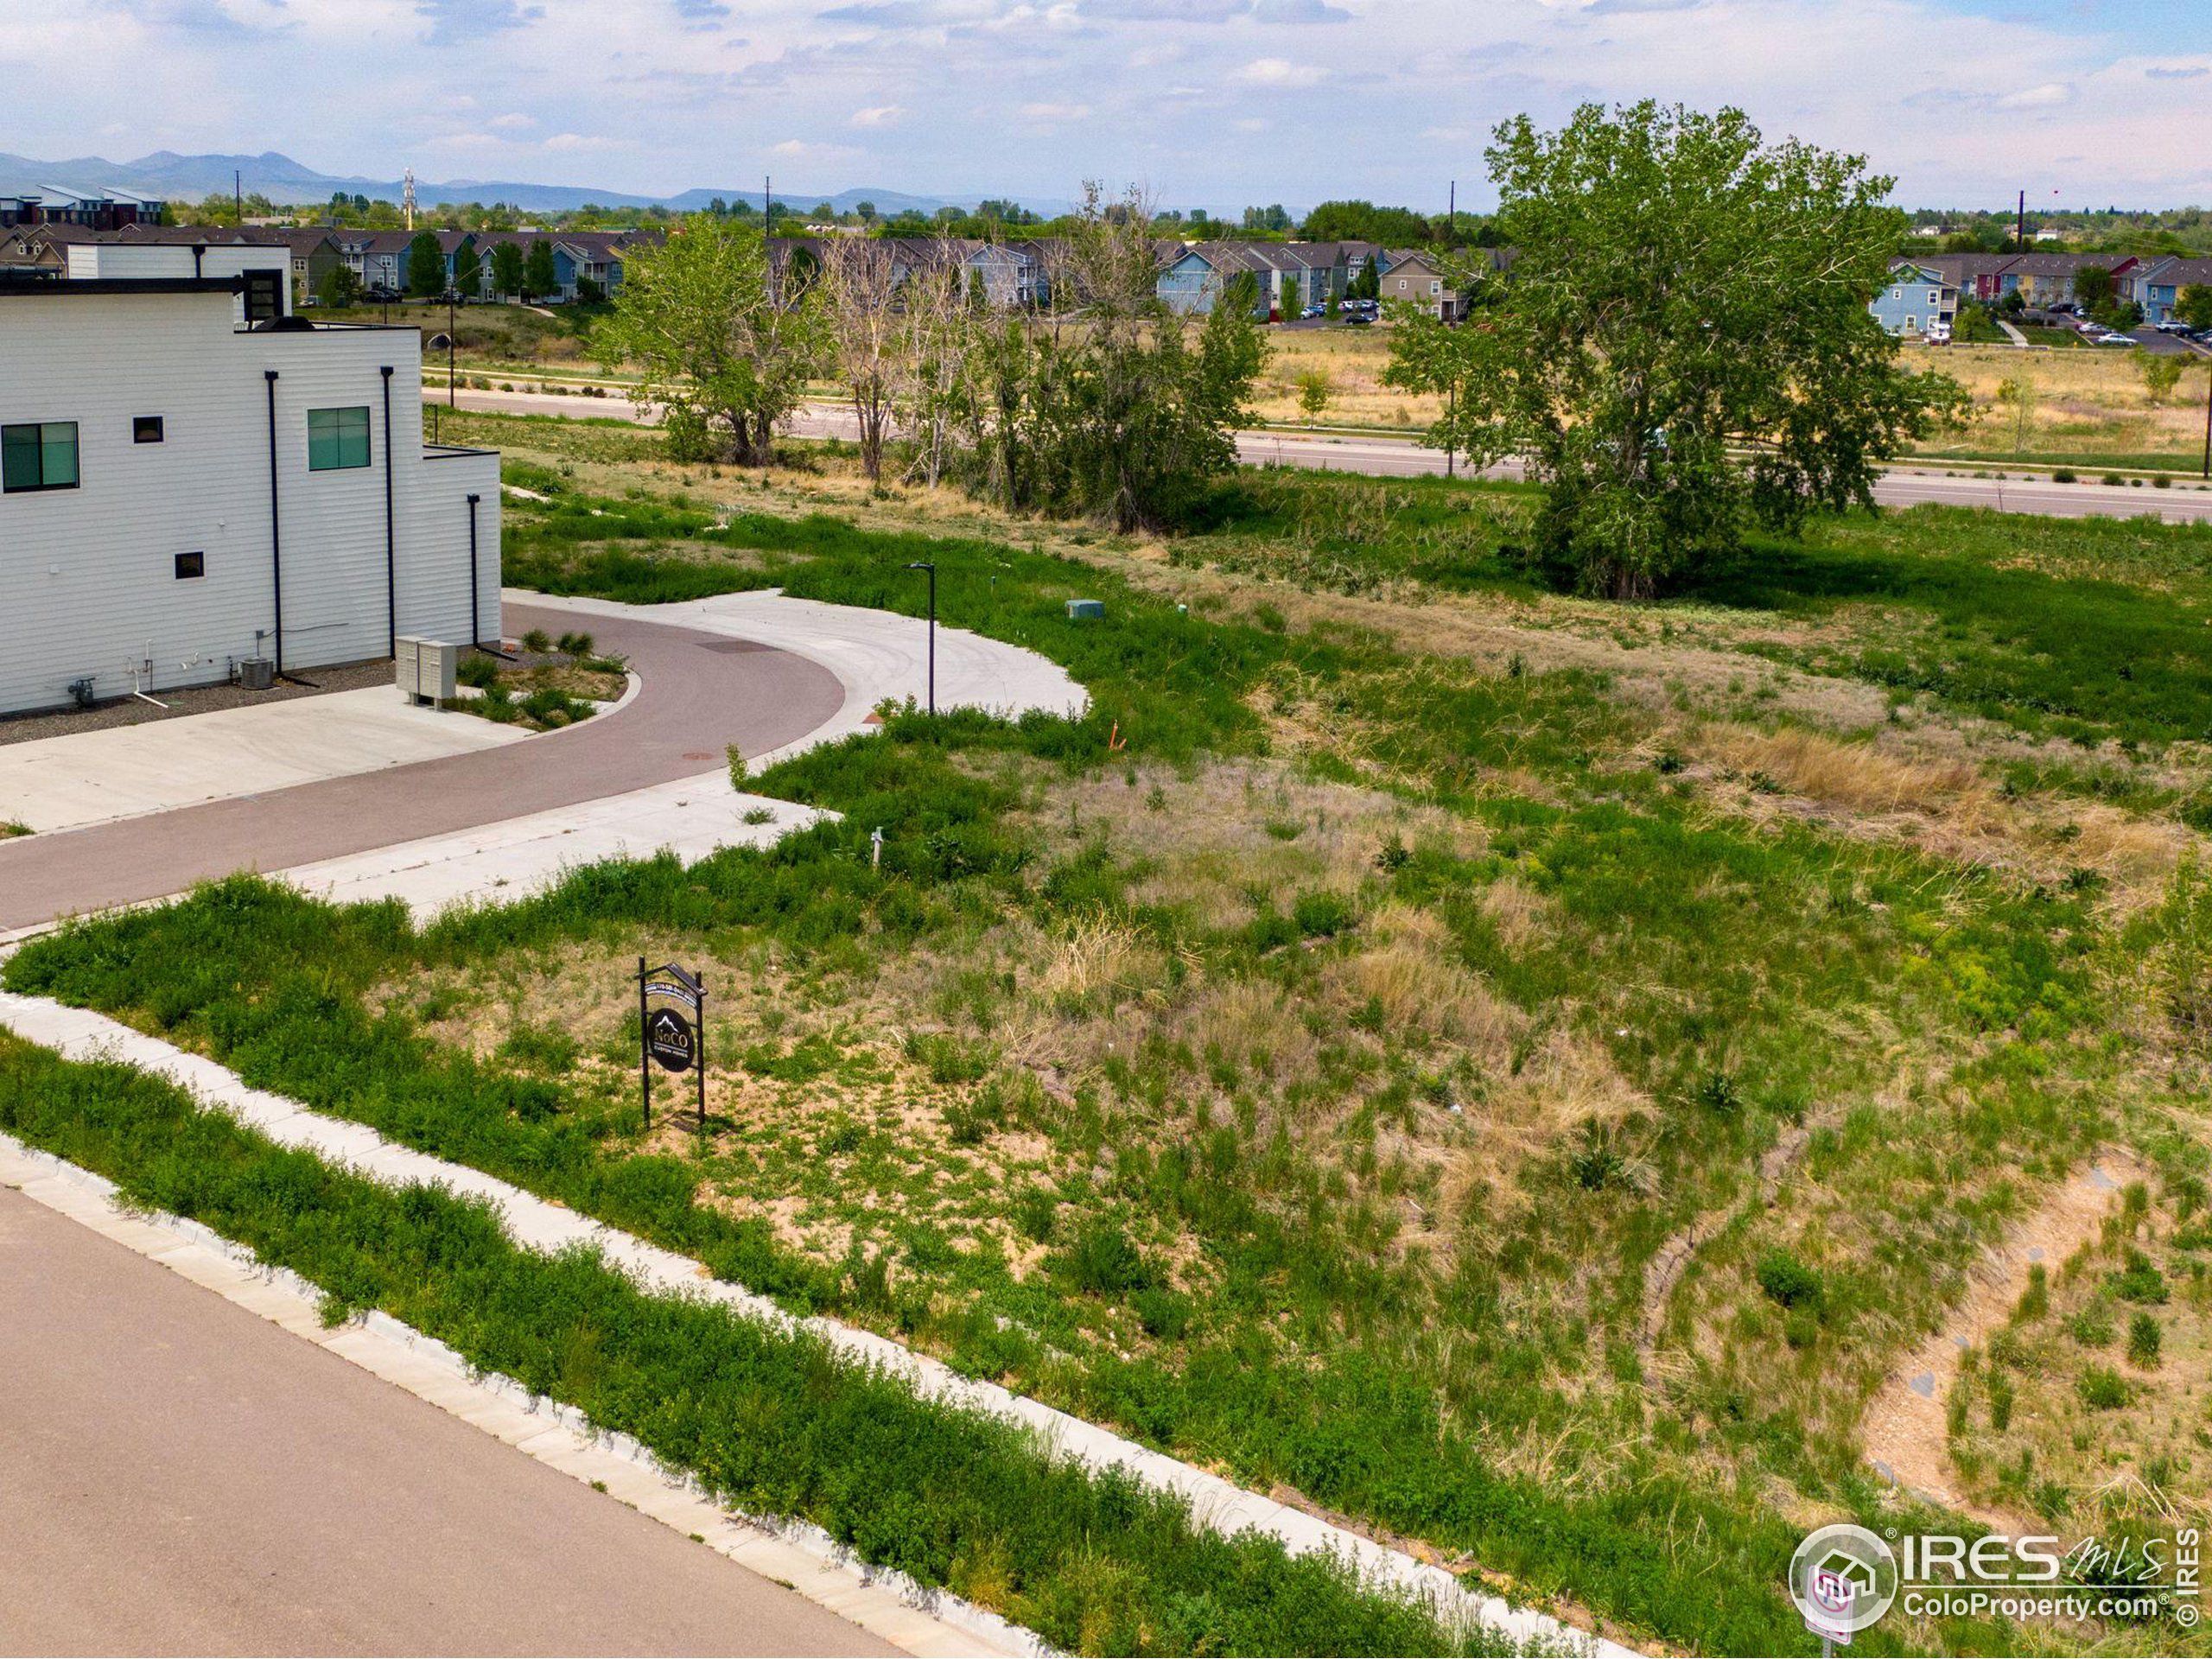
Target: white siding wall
{"points": [[88, 579], [91, 260]]}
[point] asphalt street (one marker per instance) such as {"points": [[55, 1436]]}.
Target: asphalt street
{"points": [[699, 693], [179, 1476], [1381, 457]]}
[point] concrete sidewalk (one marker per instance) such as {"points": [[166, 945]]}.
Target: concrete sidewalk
{"points": [[66, 783], [877, 656]]}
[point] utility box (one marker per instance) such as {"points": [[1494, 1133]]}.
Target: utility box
{"points": [[1086, 610], [424, 669]]}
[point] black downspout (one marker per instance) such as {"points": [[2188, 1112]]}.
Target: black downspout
{"points": [[390, 554], [275, 532], [475, 634]]}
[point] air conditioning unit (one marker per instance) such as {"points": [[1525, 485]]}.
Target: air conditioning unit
{"points": [[424, 669], [256, 673]]}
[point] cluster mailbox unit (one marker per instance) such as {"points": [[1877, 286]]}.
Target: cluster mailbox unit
{"points": [[196, 486]]}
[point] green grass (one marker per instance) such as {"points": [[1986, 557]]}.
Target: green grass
{"points": [[771, 1421], [1786, 961], [2089, 629]]}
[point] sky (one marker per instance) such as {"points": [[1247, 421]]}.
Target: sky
{"points": [[1201, 103]]}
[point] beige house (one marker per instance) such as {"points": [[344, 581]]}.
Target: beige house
{"points": [[1414, 279]]}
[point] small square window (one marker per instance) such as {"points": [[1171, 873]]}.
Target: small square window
{"points": [[338, 439], [190, 567], [145, 428]]}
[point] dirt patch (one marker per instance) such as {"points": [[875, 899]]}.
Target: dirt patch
{"points": [[1904, 1431]]}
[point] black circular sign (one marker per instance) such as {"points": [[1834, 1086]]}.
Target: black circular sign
{"points": [[670, 1040]]}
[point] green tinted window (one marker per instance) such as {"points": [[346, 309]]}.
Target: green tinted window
{"points": [[40, 456], [336, 438]]}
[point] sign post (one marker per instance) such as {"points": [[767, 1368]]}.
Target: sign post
{"points": [[672, 1030]]}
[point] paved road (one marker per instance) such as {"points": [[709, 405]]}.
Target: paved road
{"points": [[178, 1476], [1901, 486], [701, 692]]}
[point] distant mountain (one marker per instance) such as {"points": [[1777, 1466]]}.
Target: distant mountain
{"points": [[281, 179]]}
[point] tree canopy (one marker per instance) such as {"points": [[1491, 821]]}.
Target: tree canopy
{"points": [[426, 266], [1682, 344], [723, 344]]}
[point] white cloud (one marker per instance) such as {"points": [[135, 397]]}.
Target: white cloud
{"points": [[1280, 72], [2047, 96], [702, 91]]}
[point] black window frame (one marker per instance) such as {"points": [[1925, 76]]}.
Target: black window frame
{"points": [[140, 425], [191, 567], [76, 454]]}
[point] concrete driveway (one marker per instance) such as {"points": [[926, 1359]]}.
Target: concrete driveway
{"points": [[178, 1476], [699, 693]]}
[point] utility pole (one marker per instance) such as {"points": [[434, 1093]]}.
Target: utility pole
{"points": [[238, 194], [2020, 227]]}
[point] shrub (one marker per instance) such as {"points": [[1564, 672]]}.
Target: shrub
{"points": [[2092, 1326], [2143, 1342], [1320, 914], [1102, 1263], [577, 644], [2103, 1389], [2139, 1282], [1788, 1281]]}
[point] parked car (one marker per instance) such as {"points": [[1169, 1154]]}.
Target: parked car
{"points": [[2112, 337], [1314, 311]]}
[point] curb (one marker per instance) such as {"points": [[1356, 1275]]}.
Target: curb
{"points": [[539, 1225], [915, 1618]]}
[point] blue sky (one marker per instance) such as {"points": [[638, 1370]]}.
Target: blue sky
{"points": [[1201, 102]]}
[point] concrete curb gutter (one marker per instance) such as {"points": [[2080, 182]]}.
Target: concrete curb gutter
{"points": [[532, 1222], [913, 1617]]}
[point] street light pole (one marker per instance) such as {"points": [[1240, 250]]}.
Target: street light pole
{"points": [[452, 296], [923, 564], [2208, 419]]}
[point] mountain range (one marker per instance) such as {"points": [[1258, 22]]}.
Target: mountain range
{"points": [[189, 178]]}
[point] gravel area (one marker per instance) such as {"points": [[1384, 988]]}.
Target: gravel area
{"points": [[199, 699]]}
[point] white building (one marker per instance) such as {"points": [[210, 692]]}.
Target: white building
{"points": [[269, 294], [180, 493]]}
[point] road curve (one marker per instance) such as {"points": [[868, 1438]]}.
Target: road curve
{"points": [[1382, 457], [180, 1475], [698, 694]]}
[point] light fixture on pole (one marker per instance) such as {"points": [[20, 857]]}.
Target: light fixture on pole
{"points": [[924, 565]]}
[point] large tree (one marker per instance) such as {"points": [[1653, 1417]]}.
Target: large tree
{"points": [[1680, 345], [722, 342], [426, 266], [1110, 405], [506, 270], [468, 270], [540, 278]]}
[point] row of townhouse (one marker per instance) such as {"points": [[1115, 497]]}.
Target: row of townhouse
{"points": [[90, 210], [583, 261], [2153, 282], [1292, 277]]}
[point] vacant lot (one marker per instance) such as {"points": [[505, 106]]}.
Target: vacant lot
{"points": [[1521, 1073]]}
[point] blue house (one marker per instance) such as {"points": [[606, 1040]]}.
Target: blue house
{"points": [[1919, 300]]}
